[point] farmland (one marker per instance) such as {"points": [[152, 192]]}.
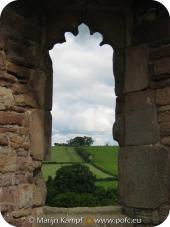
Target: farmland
{"points": [[104, 157], [64, 154], [103, 162]]}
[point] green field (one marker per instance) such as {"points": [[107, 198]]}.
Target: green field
{"points": [[107, 184], [99, 173], [65, 154], [103, 162], [50, 170], [104, 157]]}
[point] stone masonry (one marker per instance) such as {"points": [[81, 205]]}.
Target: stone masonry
{"points": [[25, 118], [139, 33]]}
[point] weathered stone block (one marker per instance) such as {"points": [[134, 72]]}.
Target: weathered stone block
{"points": [[41, 87], [119, 125], [40, 133], [2, 41], [24, 164], [162, 68], [37, 211], [141, 123], [119, 129], [19, 109], [22, 130], [2, 60], [48, 131], [21, 213], [148, 216], [26, 100], [164, 211], [160, 57], [24, 25], [7, 179], [21, 72], [164, 108], [165, 128], [7, 78], [19, 141], [160, 84], [37, 164], [20, 178], [143, 176], [164, 116], [165, 140], [4, 129], [155, 31], [39, 191], [13, 221], [162, 96], [137, 73], [3, 140], [24, 195], [19, 89], [7, 196], [159, 52], [21, 152], [6, 98], [7, 160], [129, 211], [37, 91], [12, 118], [155, 217], [144, 215], [21, 55], [23, 177], [119, 70], [26, 223]]}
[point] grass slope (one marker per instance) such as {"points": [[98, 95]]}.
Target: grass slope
{"points": [[50, 170], [104, 157], [62, 154], [107, 184]]}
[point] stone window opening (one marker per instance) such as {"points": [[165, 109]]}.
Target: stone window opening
{"points": [[83, 94]]}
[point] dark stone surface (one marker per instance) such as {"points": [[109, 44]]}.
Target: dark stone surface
{"points": [[137, 73], [143, 176], [141, 122], [119, 70]]}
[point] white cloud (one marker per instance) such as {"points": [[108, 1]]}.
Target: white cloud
{"points": [[83, 97]]}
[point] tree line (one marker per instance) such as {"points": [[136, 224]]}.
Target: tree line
{"points": [[77, 141]]}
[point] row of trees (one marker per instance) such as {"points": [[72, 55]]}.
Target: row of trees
{"points": [[77, 141], [81, 141]]}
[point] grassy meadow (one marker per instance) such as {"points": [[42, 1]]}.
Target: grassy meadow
{"points": [[103, 162], [104, 157]]}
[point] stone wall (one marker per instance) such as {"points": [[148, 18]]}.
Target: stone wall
{"points": [[25, 118], [139, 33], [142, 76]]}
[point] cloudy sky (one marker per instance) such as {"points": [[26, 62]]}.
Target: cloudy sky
{"points": [[83, 95]]}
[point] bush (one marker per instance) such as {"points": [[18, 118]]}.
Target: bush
{"points": [[74, 186], [74, 178], [105, 197]]}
